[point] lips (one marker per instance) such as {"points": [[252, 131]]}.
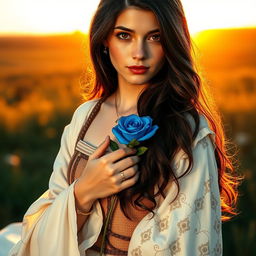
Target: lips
{"points": [[138, 69]]}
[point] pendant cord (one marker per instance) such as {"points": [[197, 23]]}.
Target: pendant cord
{"points": [[116, 110]]}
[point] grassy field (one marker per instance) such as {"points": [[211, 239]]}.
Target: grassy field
{"points": [[40, 86]]}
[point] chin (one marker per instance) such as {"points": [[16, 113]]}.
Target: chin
{"points": [[138, 81]]}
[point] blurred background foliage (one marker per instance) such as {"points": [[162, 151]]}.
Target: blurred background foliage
{"points": [[40, 87]]}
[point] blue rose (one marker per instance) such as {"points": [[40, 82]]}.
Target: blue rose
{"points": [[134, 128]]}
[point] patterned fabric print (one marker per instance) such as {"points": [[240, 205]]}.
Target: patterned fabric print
{"points": [[218, 249], [163, 224], [137, 252], [177, 203], [214, 202], [175, 247], [183, 226], [204, 249], [173, 250], [145, 236], [207, 186], [199, 203], [217, 226]]}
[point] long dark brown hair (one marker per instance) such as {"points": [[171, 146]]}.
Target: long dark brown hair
{"points": [[173, 94]]}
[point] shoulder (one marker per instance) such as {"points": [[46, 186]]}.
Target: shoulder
{"points": [[79, 117], [204, 136], [203, 152], [203, 131], [84, 109]]}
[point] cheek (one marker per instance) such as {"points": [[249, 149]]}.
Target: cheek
{"points": [[116, 54], [159, 56]]}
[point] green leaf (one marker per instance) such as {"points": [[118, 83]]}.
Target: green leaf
{"points": [[141, 150], [113, 145], [133, 143]]}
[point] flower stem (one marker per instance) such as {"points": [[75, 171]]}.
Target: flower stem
{"points": [[112, 205]]}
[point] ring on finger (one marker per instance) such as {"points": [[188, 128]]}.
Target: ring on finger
{"points": [[123, 176]]}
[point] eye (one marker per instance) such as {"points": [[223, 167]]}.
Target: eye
{"points": [[123, 36], [155, 37]]}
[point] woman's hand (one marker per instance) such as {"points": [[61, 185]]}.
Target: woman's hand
{"points": [[108, 174]]}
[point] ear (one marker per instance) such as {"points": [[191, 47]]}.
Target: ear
{"points": [[105, 43]]}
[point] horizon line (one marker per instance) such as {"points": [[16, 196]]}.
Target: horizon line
{"points": [[17, 33]]}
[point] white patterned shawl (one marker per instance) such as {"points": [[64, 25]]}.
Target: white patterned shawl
{"points": [[190, 226]]}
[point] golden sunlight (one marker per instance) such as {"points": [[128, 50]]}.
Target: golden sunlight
{"points": [[63, 16], [43, 17], [213, 14]]}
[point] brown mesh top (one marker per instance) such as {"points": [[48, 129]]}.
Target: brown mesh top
{"points": [[120, 228]]}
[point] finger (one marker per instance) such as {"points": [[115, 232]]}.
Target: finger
{"points": [[129, 182], [101, 149], [120, 153], [129, 173], [126, 163]]}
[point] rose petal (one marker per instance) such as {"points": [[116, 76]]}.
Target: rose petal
{"points": [[123, 130], [147, 120], [134, 126], [121, 139], [131, 129], [149, 134], [121, 122], [133, 121], [134, 135]]}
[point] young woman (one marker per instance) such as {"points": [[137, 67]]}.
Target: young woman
{"points": [[171, 199]]}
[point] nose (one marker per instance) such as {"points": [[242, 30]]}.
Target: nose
{"points": [[139, 50]]}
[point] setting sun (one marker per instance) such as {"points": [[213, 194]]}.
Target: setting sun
{"points": [[63, 16]]}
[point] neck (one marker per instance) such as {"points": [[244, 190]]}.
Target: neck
{"points": [[126, 98]]}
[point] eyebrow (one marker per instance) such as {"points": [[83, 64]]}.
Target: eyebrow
{"points": [[130, 30]]}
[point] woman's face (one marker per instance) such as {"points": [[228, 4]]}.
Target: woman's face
{"points": [[134, 46]]}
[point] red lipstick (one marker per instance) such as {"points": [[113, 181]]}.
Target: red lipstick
{"points": [[138, 69]]}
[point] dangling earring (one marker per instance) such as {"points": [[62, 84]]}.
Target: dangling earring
{"points": [[105, 50]]}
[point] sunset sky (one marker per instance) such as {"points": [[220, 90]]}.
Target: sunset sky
{"points": [[64, 16]]}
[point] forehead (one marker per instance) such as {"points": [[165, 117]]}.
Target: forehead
{"points": [[137, 19]]}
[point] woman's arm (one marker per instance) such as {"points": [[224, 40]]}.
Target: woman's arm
{"points": [[86, 207]]}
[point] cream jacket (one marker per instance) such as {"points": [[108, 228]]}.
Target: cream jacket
{"points": [[189, 226]]}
